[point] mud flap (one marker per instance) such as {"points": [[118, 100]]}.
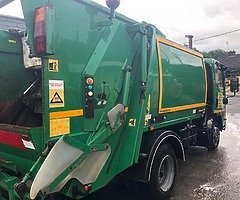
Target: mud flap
{"points": [[61, 157]]}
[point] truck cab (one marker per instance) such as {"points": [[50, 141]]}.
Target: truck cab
{"points": [[217, 98]]}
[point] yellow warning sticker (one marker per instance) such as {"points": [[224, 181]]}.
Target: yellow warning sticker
{"points": [[132, 122], [53, 65], [56, 93], [59, 127]]}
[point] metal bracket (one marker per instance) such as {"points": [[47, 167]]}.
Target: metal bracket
{"points": [[115, 117]]}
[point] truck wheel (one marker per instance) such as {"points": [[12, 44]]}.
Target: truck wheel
{"points": [[214, 139], [57, 196], [164, 173]]}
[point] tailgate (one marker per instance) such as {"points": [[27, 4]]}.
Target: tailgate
{"points": [[19, 147]]}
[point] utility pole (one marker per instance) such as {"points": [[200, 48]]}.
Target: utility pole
{"points": [[190, 41]]}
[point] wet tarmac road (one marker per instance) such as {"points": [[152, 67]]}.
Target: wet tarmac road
{"points": [[214, 175], [205, 175]]}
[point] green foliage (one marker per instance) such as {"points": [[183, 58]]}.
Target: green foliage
{"points": [[216, 54], [229, 59]]}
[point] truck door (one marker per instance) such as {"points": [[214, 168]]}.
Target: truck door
{"points": [[209, 83]]}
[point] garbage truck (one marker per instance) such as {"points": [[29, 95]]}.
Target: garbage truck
{"points": [[88, 94]]}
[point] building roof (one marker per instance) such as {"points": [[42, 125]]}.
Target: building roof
{"points": [[5, 2], [9, 22], [232, 60]]}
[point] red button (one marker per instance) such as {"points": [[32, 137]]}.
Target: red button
{"points": [[89, 81]]}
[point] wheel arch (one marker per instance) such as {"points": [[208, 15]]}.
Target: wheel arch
{"points": [[168, 137], [151, 142], [219, 120]]}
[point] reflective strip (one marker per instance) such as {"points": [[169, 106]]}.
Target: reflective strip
{"points": [[178, 46], [28, 144], [180, 108], [11, 139], [66, 114]]}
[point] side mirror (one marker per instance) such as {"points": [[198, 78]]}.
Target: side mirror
{"points": [[225, 100], [234, 84]]}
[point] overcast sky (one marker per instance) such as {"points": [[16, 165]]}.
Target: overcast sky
{"points": [[201, 18]]}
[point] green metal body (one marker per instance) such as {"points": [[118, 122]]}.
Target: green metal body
{"points": [[158, 84]]}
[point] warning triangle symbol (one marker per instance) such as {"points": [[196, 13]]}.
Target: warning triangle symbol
{"points": [[56, 98]]}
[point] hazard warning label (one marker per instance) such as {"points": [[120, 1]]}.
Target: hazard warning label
{"points": [[56, 93]]}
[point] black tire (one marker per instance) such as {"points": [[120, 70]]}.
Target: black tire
{"points": [[164, 172], [214, 138], [57, 196]]}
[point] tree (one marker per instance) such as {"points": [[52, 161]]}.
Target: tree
{"points": [[216, 54], [230, 59]]}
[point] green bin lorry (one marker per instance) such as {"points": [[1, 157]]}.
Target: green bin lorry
{"points": [[88, 94]]}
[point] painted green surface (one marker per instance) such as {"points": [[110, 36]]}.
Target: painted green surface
{"points": [[12, 69], [183, 77], [10, 43]]}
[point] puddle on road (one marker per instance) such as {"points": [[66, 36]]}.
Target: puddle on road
{"points": [[207, 187], [207, 191]]}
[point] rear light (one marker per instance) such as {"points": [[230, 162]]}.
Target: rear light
{"points": [[87, 188], [40, 30], [15, 140]]}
